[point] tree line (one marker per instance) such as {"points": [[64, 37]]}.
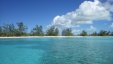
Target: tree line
{"points": [[21, 30]]}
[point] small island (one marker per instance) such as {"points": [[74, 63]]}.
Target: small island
{"points": [[9, 30]]}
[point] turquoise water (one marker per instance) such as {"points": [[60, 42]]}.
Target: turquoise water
{"points": [[84, 50]]}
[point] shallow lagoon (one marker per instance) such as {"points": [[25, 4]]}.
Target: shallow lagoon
{"points": [[83, 50]]}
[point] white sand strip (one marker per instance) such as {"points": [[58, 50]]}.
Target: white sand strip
{"points": [[53, 36], [43, 37]]}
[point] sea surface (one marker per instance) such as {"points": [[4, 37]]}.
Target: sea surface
{"points": [[83, 50]]}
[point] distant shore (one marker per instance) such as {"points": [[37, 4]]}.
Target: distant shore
{"points": [[52, 36], [40, 36]]}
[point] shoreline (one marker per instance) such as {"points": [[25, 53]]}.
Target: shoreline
{"points": [[51, 36]]}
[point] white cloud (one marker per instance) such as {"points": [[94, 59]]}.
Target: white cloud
{"points": [[91, 29], [112, 25], [87, 12], [76, 31], [108, 5]]}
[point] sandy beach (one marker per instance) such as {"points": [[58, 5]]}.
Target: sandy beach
{"points": [[42, 37], [52, 36]]}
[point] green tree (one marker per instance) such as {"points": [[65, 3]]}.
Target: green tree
{"points": [[56, 32], [8, 30], [0, 31], [67, 32], [104, 33], [83, 33], [5, 30], [21, 29], [52, 31], [11, 30], [37, 31], [111, 34]]}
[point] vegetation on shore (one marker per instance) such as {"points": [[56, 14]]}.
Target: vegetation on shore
{"points": [[21, 30]]}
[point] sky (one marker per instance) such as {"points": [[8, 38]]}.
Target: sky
{"points": [[89, 15]]}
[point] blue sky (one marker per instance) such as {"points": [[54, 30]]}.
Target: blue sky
{"points": [[43, 12]]}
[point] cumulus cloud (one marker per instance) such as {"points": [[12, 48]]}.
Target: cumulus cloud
{"points": [[108, 5], [87, 12], [76, 31], [91, 29]]}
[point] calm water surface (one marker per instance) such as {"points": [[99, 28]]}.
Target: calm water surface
{"points": [[84, 50]]}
